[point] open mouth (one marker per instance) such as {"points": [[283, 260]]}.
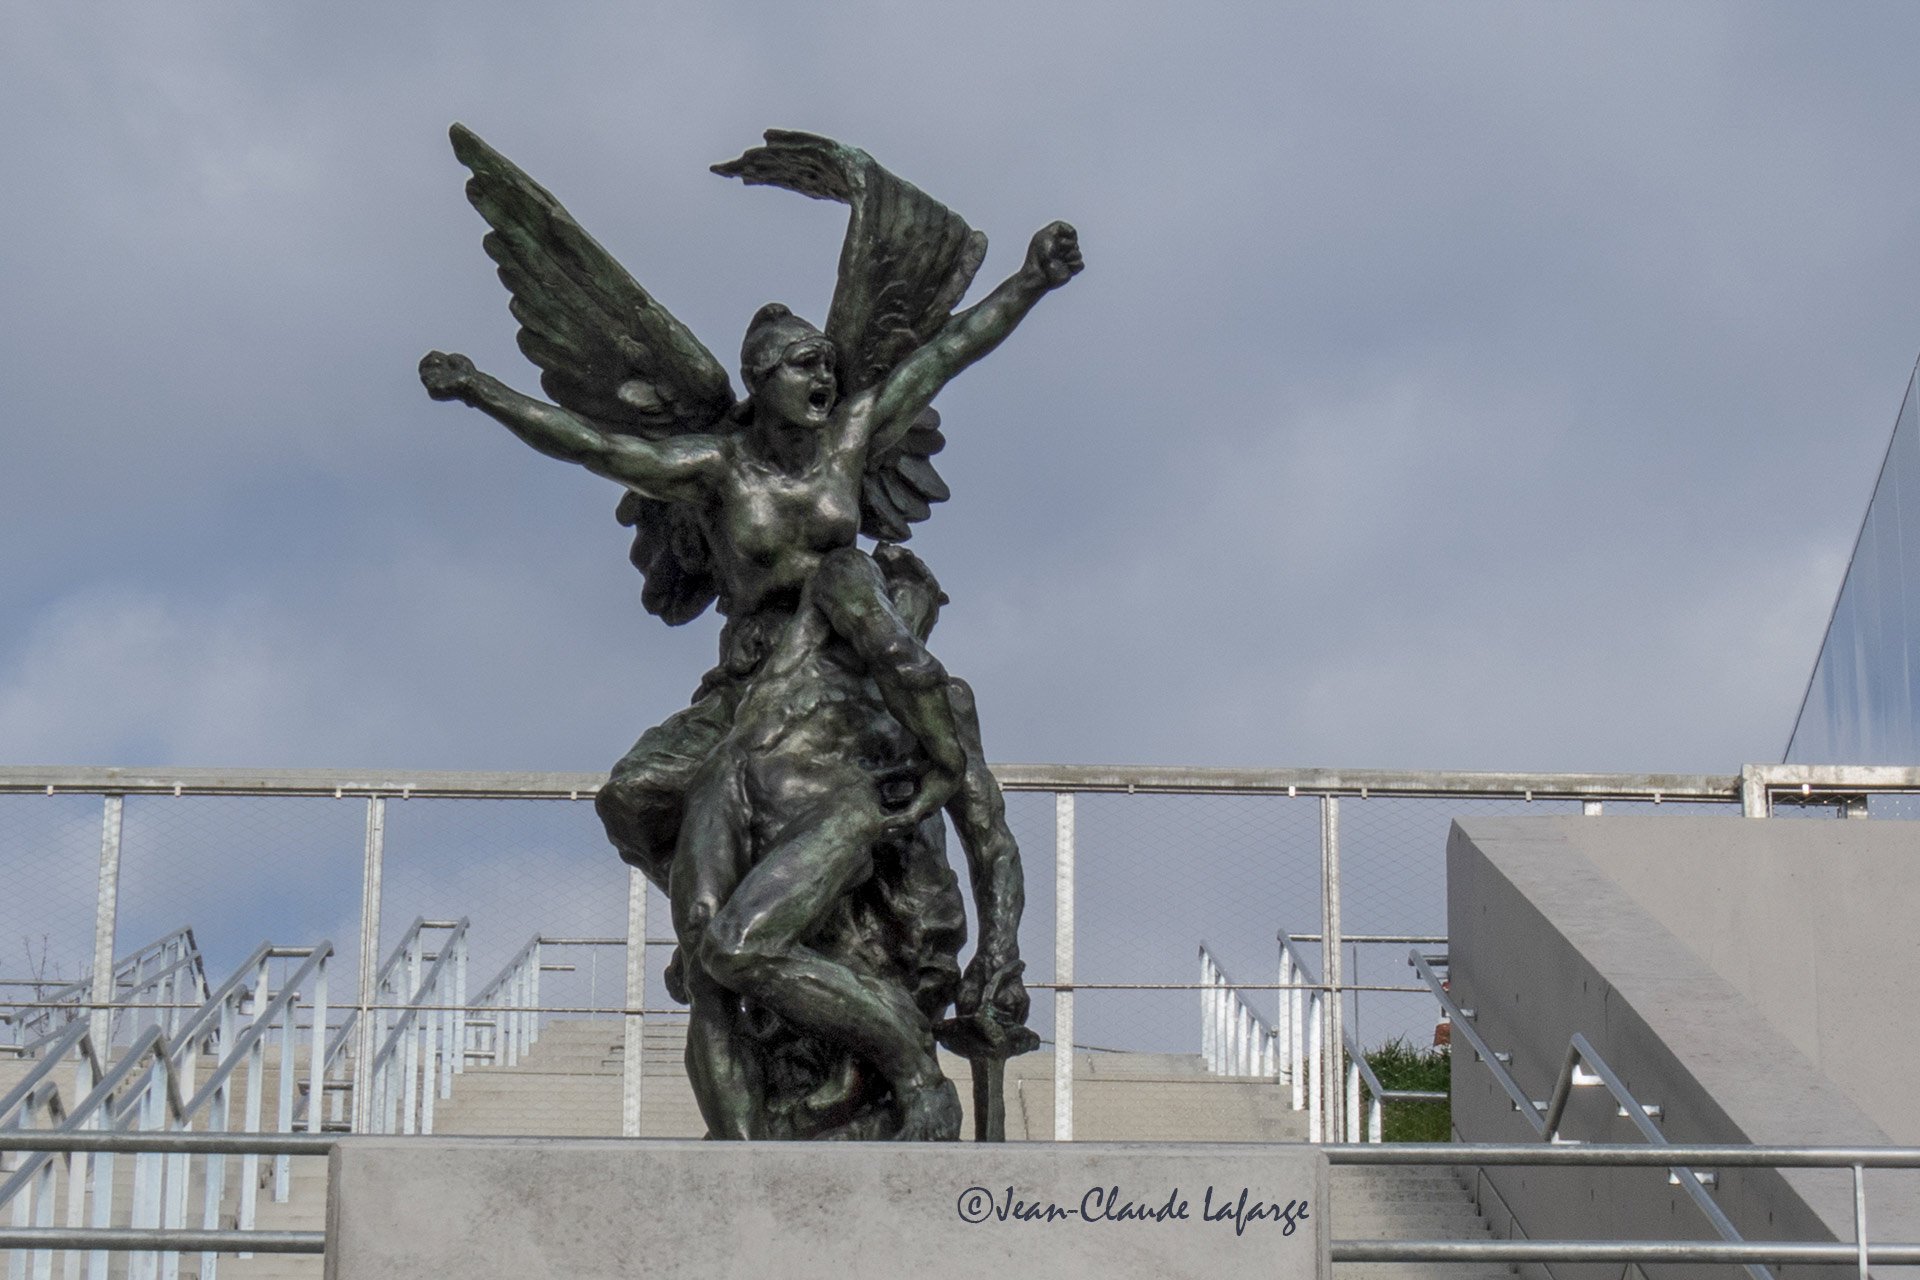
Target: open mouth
{"points": [[819, 399]]}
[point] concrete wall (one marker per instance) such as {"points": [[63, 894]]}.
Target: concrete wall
{"points": [[1661, 940], [1812, 921], [520, 1208]]}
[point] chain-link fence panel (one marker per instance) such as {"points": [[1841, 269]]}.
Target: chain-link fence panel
{"points": [[1157, 875], [242, 870], [50, 859], [515, 869], [1030, 816]]}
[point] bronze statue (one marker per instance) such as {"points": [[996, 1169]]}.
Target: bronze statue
{"points": [[792, 812]]}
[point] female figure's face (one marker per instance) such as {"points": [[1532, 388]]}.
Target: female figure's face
{"points": [[800, 389]]}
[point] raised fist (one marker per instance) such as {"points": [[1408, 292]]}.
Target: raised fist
{"points": [[1054, 254], [446, 377]]}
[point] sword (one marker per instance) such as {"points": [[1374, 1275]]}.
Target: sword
{"points": [[986, 1043]]}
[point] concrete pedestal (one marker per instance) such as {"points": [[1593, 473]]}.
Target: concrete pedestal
{"points": [[494, 1208]]}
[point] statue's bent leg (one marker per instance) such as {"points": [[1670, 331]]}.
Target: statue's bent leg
{"points": [[725, 1074], [722, 1067], [753, 946], [644, 798]]}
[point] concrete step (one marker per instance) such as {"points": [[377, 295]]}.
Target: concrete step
{"points": [[1147, 1098], [1382, 1203], [304, 1210]]}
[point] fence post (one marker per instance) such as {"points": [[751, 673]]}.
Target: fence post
{"points": [[1334, 1044], [1063, 967], [631, 1058], [364, 1046], [1754, 801], [459, 1009], [106, 906], [317, 1053], [1206, 1010], [1316, 1066]]}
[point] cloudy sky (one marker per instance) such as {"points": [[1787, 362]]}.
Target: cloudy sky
{"points": [[1463, 386]]}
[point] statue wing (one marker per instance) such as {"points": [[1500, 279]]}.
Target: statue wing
{"points": [[605, 348], [901, 483], [906, 261], [607, 351]]}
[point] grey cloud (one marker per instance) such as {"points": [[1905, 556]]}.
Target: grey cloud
{"points": [[1479, 386]]}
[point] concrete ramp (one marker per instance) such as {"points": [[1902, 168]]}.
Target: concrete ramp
{"points": [[1753, 979]]}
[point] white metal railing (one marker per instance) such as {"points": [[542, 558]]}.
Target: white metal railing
{"points": [[418, 1027], [150, 1086], [1324, 1085], [1757, 789], [1234, 1040], [505, 1022], [89, 1239], [162, 975]]}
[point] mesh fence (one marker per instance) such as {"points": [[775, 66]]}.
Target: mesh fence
{"points": [[514, 869], [241, 870], [1157, 876], [50, 858]]}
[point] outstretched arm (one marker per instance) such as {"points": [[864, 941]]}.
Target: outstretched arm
{"points": [[673, 469], [1053, 258]]}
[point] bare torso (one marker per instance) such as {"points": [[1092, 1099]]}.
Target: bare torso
{"points": [[769, 525], [812, 724]]}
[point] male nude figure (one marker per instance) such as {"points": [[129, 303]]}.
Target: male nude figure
{"points": [[814, 782]]}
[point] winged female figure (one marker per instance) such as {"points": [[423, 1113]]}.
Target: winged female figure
{"points": [[754, 502]]}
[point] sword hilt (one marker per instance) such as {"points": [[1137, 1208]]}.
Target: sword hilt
{"points": [[986, 1043]]}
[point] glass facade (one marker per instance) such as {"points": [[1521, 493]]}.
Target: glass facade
{"points": [[1862, 705]]}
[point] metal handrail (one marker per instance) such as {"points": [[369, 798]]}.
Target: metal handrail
{"points": [[262, 1022], [408, 1015], [425, 783], [350, 1017], [74, 1033], [398, 1093], [72, 999], [195, 1024], [151, 1042], [1578, 1050], [1861, 1252], [1545, 1117], [1359, 1072], [77, 989], [331, 1053], [160, 1186], [1232, 1034], [511, 995], [506, 973], [1304, 1021], [1462, 1022]]}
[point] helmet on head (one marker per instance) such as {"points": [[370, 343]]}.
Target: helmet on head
{"points": [[773, 329]]}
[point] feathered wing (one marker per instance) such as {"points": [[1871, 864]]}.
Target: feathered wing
{"points": [[907, 260], [607, 351], [901, 483]]}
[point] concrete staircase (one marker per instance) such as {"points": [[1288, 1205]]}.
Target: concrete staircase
{"points": [[569, 1085], [1142, 1097], [1381, 1202]]}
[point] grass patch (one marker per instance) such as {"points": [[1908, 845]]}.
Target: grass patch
{"points": [[1400, 1065]]}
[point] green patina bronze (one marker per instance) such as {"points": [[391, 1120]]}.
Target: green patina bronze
{"points": [[792, 812]]}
